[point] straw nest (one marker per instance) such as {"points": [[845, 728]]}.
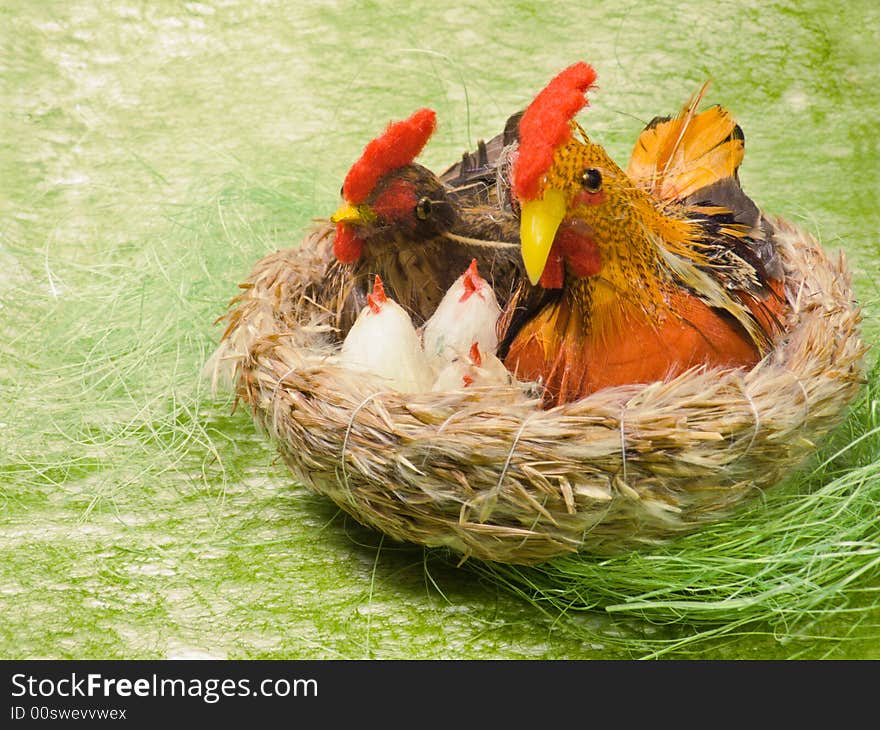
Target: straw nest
{"points": [[489, 474]]}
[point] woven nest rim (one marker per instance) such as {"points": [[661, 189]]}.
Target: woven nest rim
{"points": [[489, 474]]}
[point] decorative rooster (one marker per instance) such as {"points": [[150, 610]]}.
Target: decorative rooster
{"points": [[419, 231], [384, 342], [649, 273]]}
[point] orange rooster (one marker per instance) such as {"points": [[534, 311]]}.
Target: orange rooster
{"points": [[649, 272]]}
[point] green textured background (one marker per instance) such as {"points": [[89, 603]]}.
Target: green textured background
{"points": [[151, 152]]}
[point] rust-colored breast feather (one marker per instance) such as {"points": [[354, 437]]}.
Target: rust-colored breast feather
{"points": [[572, 363]]}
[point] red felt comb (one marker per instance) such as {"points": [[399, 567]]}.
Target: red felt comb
{"points": [[398, 146], [377, 298], [471, 281], [545, 125]]}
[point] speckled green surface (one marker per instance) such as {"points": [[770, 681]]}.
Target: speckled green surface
{"points": [[151, 152]]}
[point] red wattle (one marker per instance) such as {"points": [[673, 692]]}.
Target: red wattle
{"points": [[580, 252], [347, 247], [553, 275]]}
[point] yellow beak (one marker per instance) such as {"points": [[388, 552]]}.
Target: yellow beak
{"points": [[539, 222], [349, 213]]}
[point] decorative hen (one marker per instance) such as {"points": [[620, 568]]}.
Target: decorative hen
{"points": [[419, 231], [468, 314], [648, 272], [383, 341], [474, 369]]}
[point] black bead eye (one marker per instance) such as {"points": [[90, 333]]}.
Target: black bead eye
{"points": [[423, 209], [592, 180]]}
